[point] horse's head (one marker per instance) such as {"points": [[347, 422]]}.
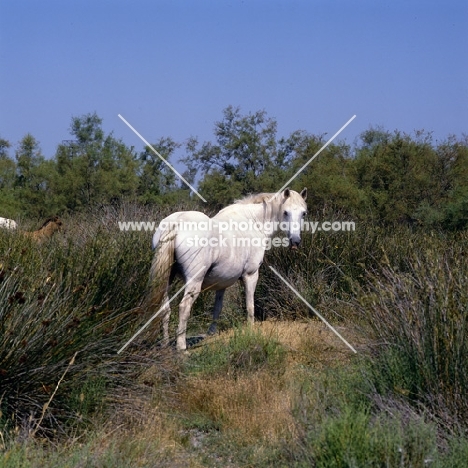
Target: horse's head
{"points": [[57, 222], [294, 209], [51, 225]]}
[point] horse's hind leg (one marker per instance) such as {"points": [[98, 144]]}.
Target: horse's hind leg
{"points": [[218, 305], [166, 314], [191, 293]]}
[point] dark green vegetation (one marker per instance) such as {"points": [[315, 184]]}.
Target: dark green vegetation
{"points": [[288, 393], [75, 295], [385, 177], [285, 393]]}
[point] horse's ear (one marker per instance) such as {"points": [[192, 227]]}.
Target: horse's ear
{"points": [[304, 193], [286, 193]]}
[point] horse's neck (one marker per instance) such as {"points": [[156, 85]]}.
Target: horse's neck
{"points": [[271, 211], [47, 230], [257, 212], [264, 213]]}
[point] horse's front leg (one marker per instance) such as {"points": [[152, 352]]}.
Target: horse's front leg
{"points": [[250, 283], [190, 296], [218, 305]]}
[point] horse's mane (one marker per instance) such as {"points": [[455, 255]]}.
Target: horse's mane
{"points": [[52, 219], [255, 198]]}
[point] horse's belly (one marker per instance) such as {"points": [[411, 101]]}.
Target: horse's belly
{"points": [[216, 280]]}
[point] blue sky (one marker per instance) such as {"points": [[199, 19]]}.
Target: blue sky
{"points": [[171, 67]]}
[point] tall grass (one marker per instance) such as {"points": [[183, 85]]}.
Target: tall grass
{"points": [[330, 269], [77, 294], [339, 427], [250, 397], [407, 290], [419, 315]]}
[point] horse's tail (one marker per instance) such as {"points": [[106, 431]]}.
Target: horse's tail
{"points": [[163, 260]]}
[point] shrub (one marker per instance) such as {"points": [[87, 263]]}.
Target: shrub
{"points": [[419, 316], [247, 350], [72, 296], [339, 425]]}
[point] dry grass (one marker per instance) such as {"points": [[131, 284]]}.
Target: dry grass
{"points": [[259, 405], [249, 407], [145, 432], [308, 341], [312, 342]]}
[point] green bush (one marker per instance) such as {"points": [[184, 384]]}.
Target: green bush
{"points": [[339, 425], [247, 350], [76, 295], [355, 438], [419, 316]]}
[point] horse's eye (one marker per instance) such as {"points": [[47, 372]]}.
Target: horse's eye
{"points": [[285, 213], [304, 214]]}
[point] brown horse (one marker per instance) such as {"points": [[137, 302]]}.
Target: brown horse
{"points": [[47, 230]]}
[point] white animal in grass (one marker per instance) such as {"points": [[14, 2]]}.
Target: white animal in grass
{"points": [[212, 264], [8, 223]]}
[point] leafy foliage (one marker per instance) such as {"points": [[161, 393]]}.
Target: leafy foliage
{"points": [[387, 178], [403, 286], [247, 157], [93, 169]]}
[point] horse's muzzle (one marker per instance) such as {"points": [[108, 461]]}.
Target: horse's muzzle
{"points": [[294, 243]]}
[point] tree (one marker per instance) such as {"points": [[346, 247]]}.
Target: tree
{"points": [[330, 177], [9, 202], [94, 168], [408, 179], [452, 175], [397, 174], [247, 157], [34, 175], [156, 180], [7, 167]]}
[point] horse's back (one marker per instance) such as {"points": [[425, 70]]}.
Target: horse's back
{"points": [[177, 221], [223, 255]]}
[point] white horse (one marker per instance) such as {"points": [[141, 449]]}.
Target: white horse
{"points": [[8, 223], [213, 253]]}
